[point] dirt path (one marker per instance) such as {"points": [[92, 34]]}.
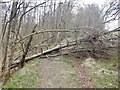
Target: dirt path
{"points": [[56, 74], [85, 79], [64, 72], [60, 75]]}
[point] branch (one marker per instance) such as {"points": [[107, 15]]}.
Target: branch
{"points": [[33, 8], [43, 53], [26, 49]]}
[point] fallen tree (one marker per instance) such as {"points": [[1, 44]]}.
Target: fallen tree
{"points": [[58, 47], [88, 39], [92, 39]]}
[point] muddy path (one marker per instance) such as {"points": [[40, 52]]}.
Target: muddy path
{"points": [[85, 79], [56, 74], [64, 72]]}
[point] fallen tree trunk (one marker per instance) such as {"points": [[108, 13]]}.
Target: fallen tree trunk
{"points": [[58, 47]]}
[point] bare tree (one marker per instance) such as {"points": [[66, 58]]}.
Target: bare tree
{"points": [[54, 27]]}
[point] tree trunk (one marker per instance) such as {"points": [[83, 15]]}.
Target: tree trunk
{"points": [[11, 27]]}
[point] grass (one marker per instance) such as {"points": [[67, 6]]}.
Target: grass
{"points": [[103, 81], [74, 75], [100, 73], [106, 82], [28, 77], [110, 64], [66, 60]]}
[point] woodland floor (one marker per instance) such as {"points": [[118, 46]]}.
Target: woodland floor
{"points": [[64, 72]]}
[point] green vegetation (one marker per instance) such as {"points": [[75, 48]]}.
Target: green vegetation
{"points": [[106, 81], [28, 77], [103, 73], [65, 60]]}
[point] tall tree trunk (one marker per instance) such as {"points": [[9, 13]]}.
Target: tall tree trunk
{"points": [[11, 27], [119, 15]]}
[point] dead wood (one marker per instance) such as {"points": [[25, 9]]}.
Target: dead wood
{"points": [[58, 47], [21, 64]]}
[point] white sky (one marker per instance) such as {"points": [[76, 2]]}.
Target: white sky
{"points": [[85, 1], [99, 2], [94, 1]]}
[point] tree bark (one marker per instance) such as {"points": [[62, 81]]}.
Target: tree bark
{"points": [[11, 27]]}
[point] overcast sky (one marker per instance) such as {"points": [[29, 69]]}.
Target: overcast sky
{"points": [[99, 2], [85, 1]]}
